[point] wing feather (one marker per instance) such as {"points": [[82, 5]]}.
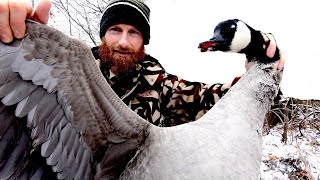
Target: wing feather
{"points": [[26, 84], [18, 161], [26, 105], [6, 144], [5, 120], [66, 154], [6, 74], [49, 146], [20, 93], [42, 74], [49, 127], [16, 157], [30, 68], [9, 87], [8, 53], [43, 109], [71, 117]]}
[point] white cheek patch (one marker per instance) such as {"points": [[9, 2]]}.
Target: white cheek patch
{"points": [[242, 37]]}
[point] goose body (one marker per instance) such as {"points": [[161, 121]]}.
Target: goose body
{"points": [[60, 119]]}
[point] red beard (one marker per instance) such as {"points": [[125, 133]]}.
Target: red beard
{"points": [[120, 65]]}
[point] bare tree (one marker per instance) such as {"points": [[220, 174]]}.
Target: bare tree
{"points": [[82, 18]]}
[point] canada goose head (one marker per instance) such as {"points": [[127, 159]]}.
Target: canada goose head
{"points": [[236, 36]]}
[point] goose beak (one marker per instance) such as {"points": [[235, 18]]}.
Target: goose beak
{"points": [[212, 44]]}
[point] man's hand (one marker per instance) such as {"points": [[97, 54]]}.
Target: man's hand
{"points": [[13, 14], [270, 52]]}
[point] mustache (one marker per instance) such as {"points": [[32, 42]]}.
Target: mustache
{"points": [[120, 65], [123, 50]]}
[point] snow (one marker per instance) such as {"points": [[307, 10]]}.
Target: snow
{"points": [[297, 155]]}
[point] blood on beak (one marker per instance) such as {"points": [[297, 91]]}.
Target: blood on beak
{"points": [[204, 46]]}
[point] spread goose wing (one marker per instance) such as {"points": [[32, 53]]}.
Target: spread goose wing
{"points": [[58, 112]]}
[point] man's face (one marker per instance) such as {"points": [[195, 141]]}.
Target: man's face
{"points": [[122, 47]]}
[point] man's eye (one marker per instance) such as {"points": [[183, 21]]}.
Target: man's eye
{"points": [[114, 29], [134, 32]]}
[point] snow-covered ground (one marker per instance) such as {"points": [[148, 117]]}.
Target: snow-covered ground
{"points": [[299, 157]]}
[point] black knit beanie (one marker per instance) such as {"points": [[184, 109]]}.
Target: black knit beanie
{"points": [[132, 12]]}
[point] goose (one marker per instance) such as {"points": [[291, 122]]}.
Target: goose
{"points": [[59, 119]]}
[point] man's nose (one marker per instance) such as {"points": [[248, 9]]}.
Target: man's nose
{"points": [[123, 42]]}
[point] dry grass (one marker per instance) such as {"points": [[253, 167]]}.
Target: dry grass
{"points": [[294, 113]]}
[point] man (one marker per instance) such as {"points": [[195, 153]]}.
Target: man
{"points": [[138, 78]]}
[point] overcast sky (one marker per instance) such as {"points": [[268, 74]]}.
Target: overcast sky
{"points": [[177, 27]]}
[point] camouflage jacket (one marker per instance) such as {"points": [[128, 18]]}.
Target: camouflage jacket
{"points": [[162, 98]]}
